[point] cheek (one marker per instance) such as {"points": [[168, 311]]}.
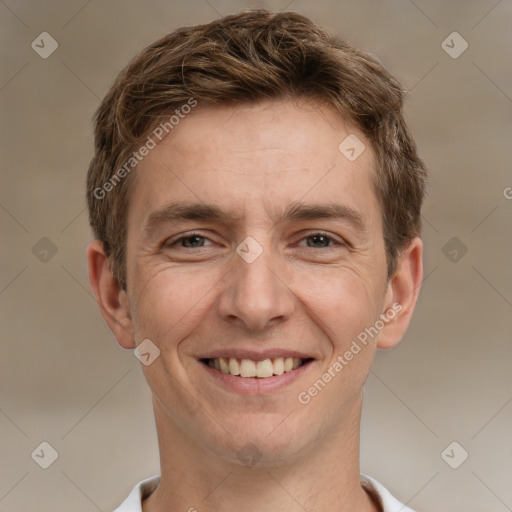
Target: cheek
{"points": [[170, 303], [343, 306], [342, 302]]}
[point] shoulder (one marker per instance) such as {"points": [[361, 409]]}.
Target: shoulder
{"points": [[387, 501], [133, 503]]}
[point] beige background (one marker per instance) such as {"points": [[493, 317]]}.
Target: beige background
{"points": [[63, 378]]}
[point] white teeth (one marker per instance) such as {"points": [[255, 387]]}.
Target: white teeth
{"points": [[250, 368], [223, 366], [264, 368], [234, 366], [278, 366], [247, 368]]}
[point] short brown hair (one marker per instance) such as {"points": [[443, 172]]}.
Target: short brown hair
{"points": [[246, 58]]}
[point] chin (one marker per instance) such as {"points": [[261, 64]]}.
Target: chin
{"points": [[263, 441]]}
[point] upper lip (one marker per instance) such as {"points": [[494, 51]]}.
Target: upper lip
{"points": [[255, 355]]}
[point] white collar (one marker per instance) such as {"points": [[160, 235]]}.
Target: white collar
{"points": [[133, 503]]}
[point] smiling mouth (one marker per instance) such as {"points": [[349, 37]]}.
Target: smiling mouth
{"points": [[247, 368]]}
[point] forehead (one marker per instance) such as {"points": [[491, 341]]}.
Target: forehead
{"points": [[259, 159]]}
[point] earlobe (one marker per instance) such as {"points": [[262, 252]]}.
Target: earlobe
{"points": [[113, 302], [403, 290]]}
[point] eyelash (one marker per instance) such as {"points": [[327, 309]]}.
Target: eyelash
{"points": [[311, 235]]}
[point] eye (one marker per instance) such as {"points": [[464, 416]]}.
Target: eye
{"points": [[196, 241], [321, 241]]}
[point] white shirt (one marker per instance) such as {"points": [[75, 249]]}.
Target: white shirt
{"points": [[133, 503]]}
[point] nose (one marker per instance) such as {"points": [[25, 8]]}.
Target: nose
{"points": [[256, 294]]}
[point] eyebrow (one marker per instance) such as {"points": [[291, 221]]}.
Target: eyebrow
{"points": [[296, 211]]}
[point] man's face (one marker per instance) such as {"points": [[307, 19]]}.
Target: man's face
{"points": [[254, 285]]}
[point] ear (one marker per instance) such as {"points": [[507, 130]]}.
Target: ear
{"points": [[112, 300], [402, 294]]}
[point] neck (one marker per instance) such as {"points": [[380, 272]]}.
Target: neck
{"points": [[324, 478]]}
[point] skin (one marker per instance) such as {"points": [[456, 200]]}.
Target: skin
{"points": [[302, 293]]}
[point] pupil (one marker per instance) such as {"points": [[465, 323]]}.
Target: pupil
{"points": [[316, 237], [194, 237]]}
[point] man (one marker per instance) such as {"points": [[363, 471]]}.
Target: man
{"points": [[255, 197]]}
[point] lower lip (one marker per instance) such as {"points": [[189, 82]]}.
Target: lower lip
{"points": [[255, 385]]}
